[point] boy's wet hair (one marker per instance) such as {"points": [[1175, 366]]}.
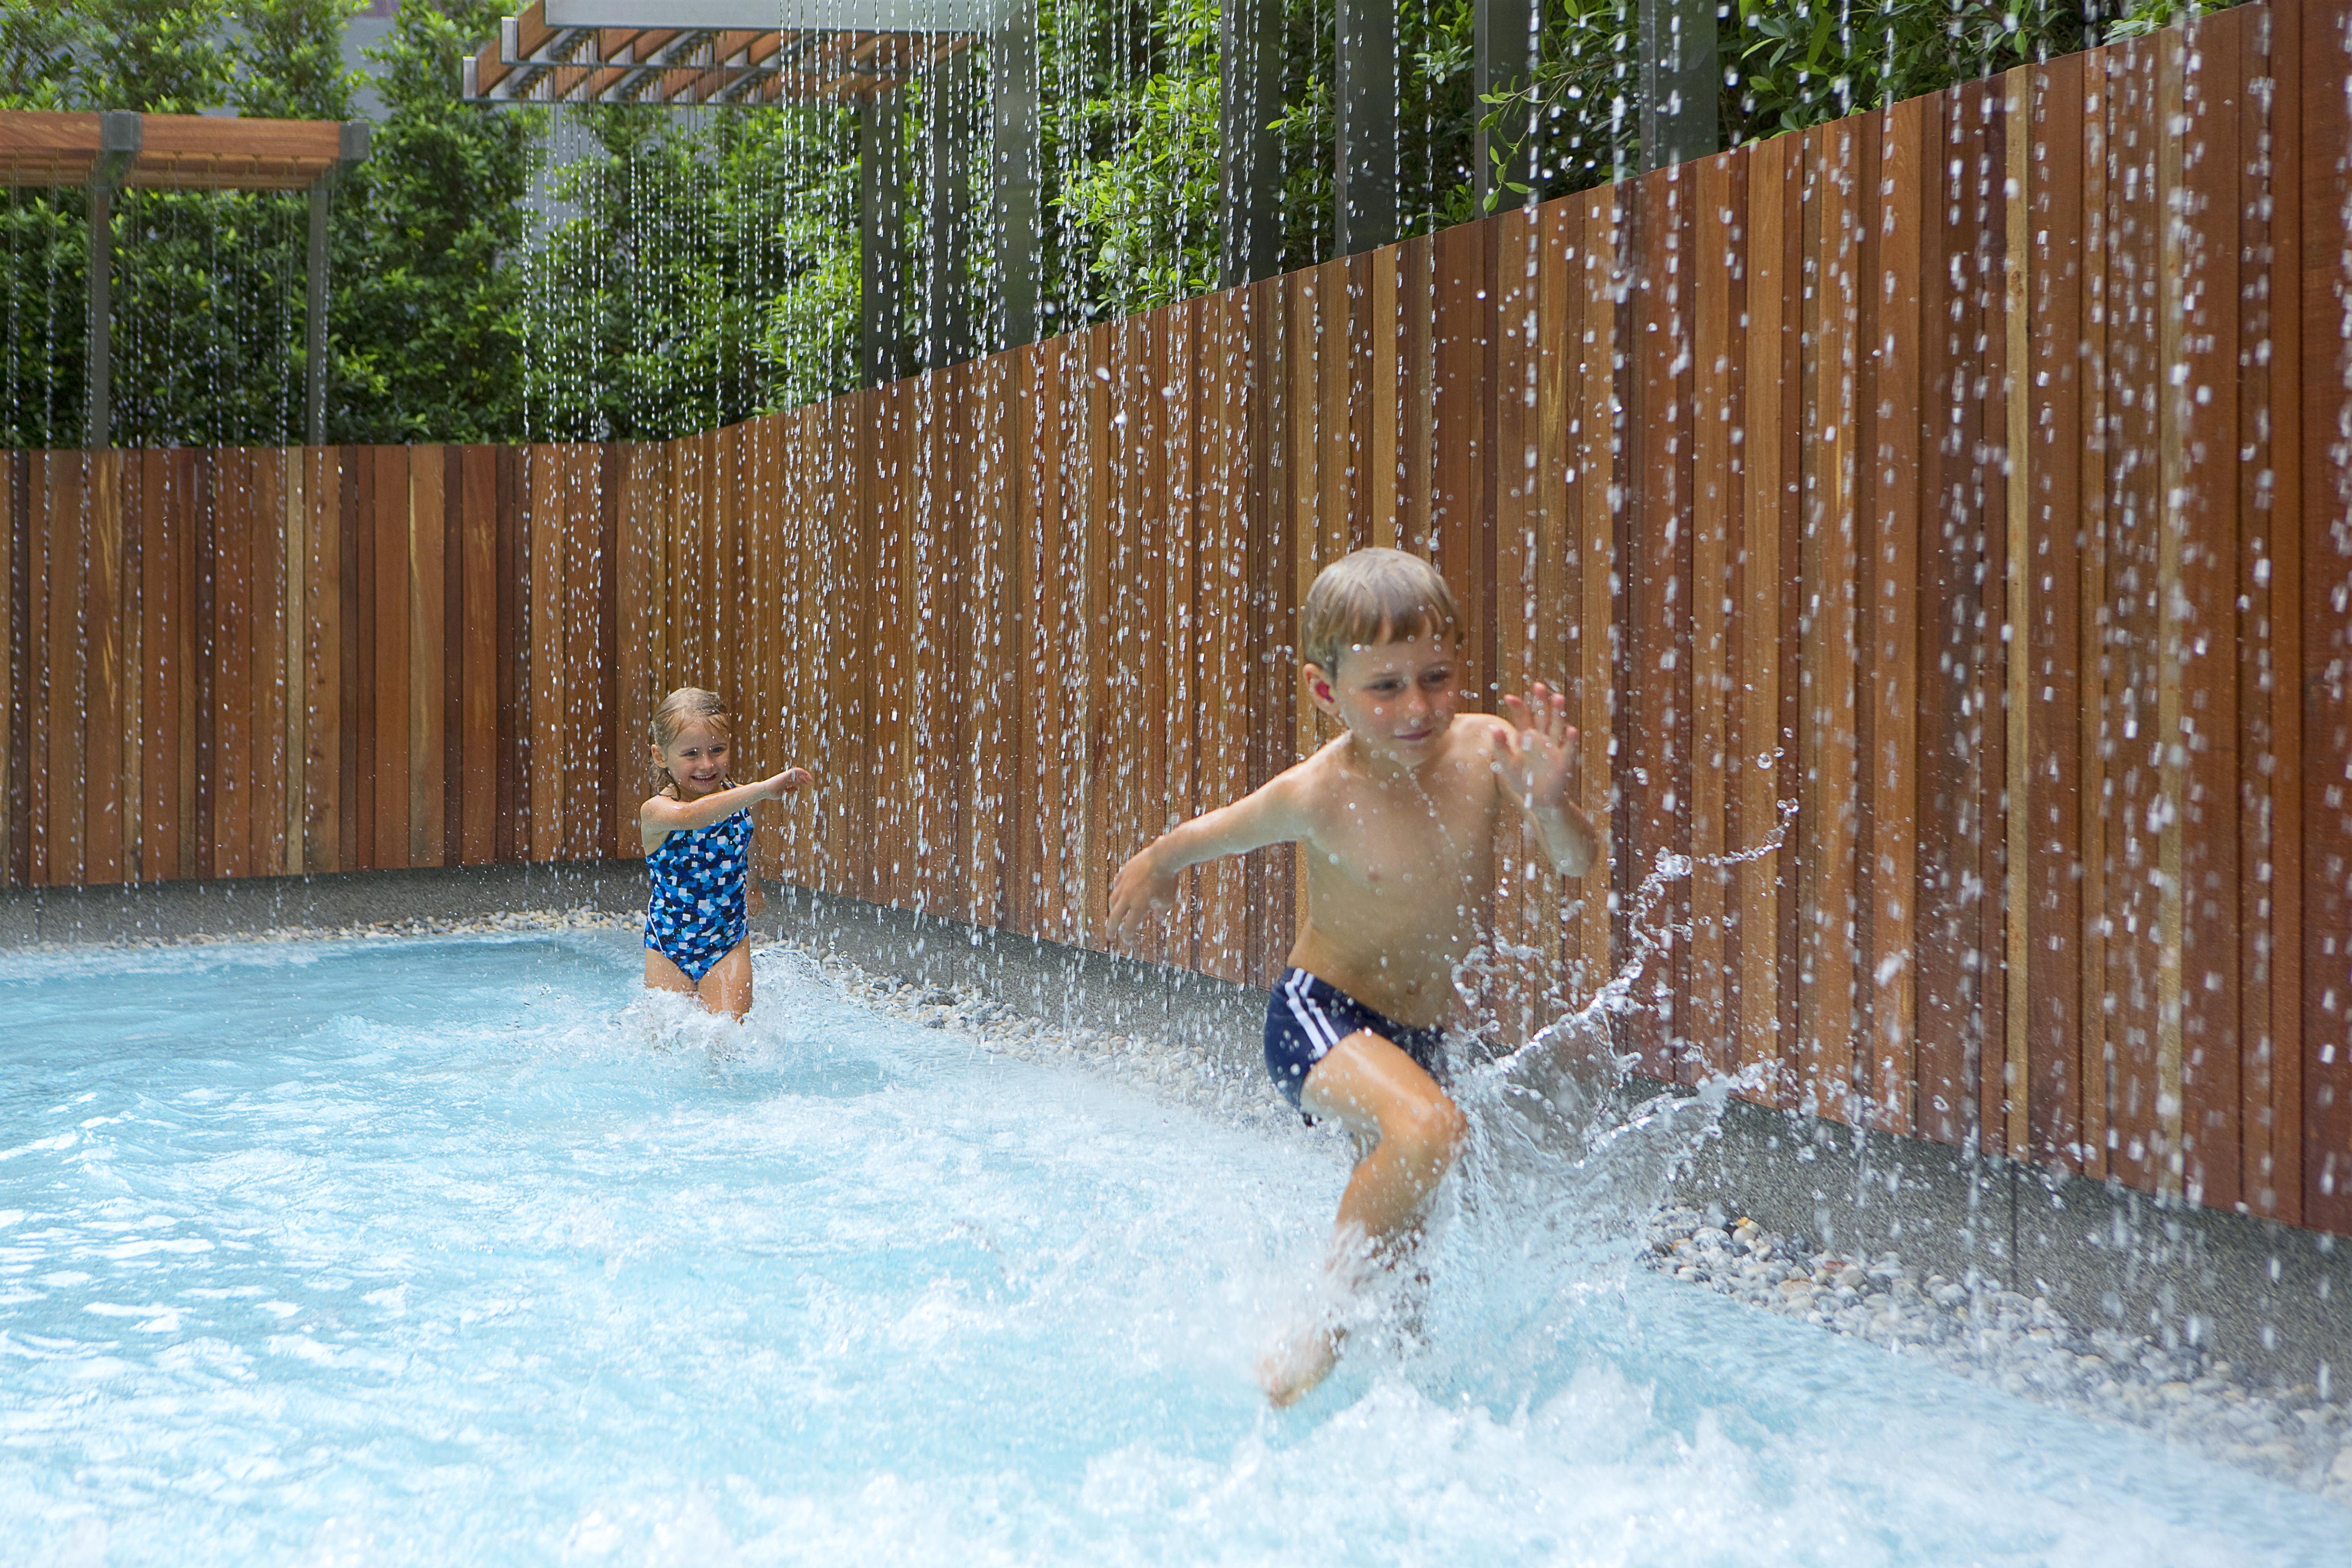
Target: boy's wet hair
{"points": [[1372, 597], [684, 706]]}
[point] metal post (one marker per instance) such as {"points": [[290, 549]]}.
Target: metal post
{"points": [[1364, 144], [1251, 42], [1682, 83], [119, 136], [947, 288], [1012, 101], [354, 148], [881, 238], [1503, 51]]}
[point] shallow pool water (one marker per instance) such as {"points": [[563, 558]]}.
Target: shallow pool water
{"points": [[444, 1251]]}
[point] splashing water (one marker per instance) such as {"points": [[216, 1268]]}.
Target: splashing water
{"points": [[464, 1250]]}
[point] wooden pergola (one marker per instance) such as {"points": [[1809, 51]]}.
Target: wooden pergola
{"points": [[110, 150], [541, 59], [866, 53]]}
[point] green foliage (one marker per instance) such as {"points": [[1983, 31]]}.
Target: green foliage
{"points": [[1140, 189], [678, 270], [1798, 67], [666, 301], [206, 286], [425, 316], [37, 39], [158, 57], [293, 59], [810, 336]]}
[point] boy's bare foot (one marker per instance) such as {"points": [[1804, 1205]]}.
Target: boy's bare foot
{"points": [[1292, 1370]]}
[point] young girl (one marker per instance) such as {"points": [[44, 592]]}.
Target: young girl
{"points": [[698, 836]]}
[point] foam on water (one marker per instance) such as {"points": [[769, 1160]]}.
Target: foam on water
{"points": [[462, 1250]]}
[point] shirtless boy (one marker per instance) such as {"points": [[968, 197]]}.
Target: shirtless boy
{"points": [[1398, 815]]}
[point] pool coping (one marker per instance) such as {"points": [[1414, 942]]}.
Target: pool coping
{"points": [[2258, 1292]]}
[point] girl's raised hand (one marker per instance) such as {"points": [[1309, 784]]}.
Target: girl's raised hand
{"points": [[790, 780], [1535, 757]]}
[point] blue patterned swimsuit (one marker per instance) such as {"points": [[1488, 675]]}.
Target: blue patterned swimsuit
{"points": [[695, 915]]}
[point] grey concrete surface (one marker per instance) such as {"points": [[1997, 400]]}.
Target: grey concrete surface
{"points": [[2274, 1300], [2269, 1298], [241, 906]]}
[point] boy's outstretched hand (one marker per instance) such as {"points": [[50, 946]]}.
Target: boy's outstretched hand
{"points": [[1141, 888], [1535, 756]]}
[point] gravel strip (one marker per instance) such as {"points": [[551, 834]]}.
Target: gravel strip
{"points": [[511, 921]]}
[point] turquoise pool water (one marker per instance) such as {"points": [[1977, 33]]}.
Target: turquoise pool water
{"points": [[442, 1251]]}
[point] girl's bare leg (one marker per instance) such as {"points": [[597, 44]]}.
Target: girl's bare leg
{"points": [[1383, 1097], [726, 985]]}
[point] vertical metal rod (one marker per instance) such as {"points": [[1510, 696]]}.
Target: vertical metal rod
{"points": [[1251, 98], [1682, 83], [881, 238], [314, 324], [1013, 98], [947, 312], [1364, 143], [120, 134], [99, 376], [1503, 59]]}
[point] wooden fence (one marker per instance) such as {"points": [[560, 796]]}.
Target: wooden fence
{"points": [[1971, 475]]}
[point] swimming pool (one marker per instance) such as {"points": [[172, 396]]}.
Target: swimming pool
{"points": [[441, 1250]]}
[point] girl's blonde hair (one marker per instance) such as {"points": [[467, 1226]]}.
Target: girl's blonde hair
{"points": [[684, 706], [1372, 596]]}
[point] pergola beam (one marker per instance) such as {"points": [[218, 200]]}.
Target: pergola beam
{"points": [[546, 53], [108, 152], [172, 152]]}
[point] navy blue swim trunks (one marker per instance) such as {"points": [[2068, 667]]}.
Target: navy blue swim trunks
{"points": [[1307, 1016]]}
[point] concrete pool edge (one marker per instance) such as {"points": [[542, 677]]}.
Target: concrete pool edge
{"points": [[2102, 1255]]}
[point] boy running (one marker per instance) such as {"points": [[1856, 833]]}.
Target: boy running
{"points": [[1398, 815]]}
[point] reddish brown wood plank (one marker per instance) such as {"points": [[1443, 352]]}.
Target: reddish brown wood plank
{"points": [[265, 667], [1595, 498], [2134, 369], [14, 588], [2274, 1112], [2325, 287], [361, 682], [583, 649], [323, 846], [102, 784], [1523, 916], [69, 568], [1714, 227], [427, 651], [39, 541], [2049, 640], [1829, 569], [388, 680], [544, 536], [2204, 275]]}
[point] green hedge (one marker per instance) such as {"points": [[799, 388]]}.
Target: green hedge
{"points": [[632, 272]]}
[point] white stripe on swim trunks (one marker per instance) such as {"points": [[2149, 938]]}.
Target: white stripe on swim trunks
{"points": [[1310, 1017]]}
